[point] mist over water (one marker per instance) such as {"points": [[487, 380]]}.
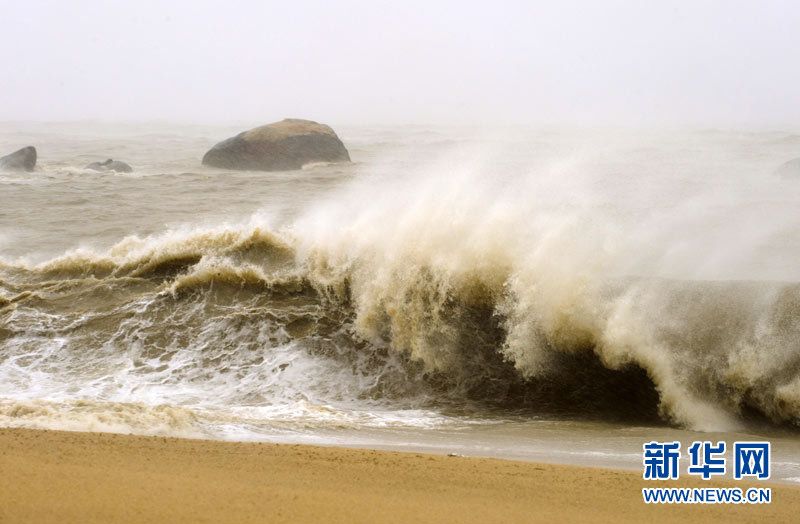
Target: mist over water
{"points": [[492, 283]]}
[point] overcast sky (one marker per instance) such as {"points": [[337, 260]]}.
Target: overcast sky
{"points": [[572, 62]]}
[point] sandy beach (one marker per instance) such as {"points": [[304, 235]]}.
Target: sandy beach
{"points": [[51, 476]]}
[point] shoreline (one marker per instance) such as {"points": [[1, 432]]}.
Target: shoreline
{"points": [[56, 476]]}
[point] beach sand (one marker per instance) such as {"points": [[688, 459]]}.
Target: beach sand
{"points": [[52, 476]]}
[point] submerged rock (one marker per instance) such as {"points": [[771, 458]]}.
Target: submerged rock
{"points": [[790, 168], [22, 160], [110, 165], [285, 145]]}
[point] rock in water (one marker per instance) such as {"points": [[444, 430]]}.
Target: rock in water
{"points": [[285, 145], [22, 160], [110, 165], [790, 168]]}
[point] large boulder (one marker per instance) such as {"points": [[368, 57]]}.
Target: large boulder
{"points": [[110, 165], [790, 168], [22, 160], [285, 145]]}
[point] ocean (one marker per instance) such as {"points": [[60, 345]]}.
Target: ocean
{"points": [[545, 294]]}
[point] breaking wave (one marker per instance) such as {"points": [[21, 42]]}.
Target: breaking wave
{"points": [[442, 291]]}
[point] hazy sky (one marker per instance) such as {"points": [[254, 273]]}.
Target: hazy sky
{"points": [[585, 62]]}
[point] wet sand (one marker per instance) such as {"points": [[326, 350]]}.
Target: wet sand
{"points": [[50, 476]]}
